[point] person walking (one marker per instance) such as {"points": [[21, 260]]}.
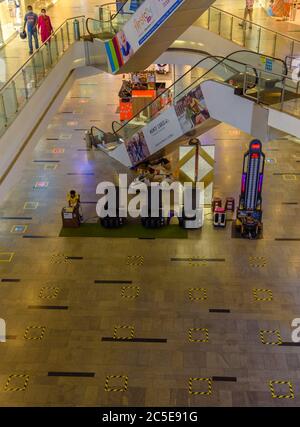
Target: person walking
{"points": [[44, 26], [248, 11], [30, 20]]}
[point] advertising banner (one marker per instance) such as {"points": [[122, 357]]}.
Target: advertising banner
{"points": [[191, 109], [149, 16], [189, 112]]}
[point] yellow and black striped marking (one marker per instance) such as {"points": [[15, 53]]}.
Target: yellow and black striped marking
{"points": [[6, 256], [136, 260], [194, 392], [125, 332], [263, 295], [121, 379], [50, 166], [289, 177], [14, 378], [30, 332], [197, 294], [274, 384], [59, 259], [257, 261], [266, 339], [130, 292], [197, 263], [49, 292], [31, 205], [194, 335]]}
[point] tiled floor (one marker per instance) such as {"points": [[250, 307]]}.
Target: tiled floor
{"points": [[16, 51], [213, 321]]}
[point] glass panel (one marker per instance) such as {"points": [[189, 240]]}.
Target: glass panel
{"points": [[214, 20], [203, 20], [251, 38], [60, 46], [10, 102], [53, 50], [69, 33], [2, 116], [225, 27], [46, 57], [37, 64], [238, 33], [30, 78], [296, 52], [20, 90], [283, 46], [267, 40]]}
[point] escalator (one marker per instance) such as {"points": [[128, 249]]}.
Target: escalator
{"points": [[136, 34], [227, 90]]}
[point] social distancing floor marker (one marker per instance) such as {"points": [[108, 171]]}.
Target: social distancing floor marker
{"points": [[277, 392], [289, 177], [263, 295], [268, 337], [197, 263], [40, 185], [136, 260], [14, 378], [197, 382], [50, 166], [31, 205], [18, 229], [197, 294], [6, 256], [130, 292], [35, 333], [59, 259], [116, 383], [124, 332], [49, 292], [198, 335], [257, 261]]}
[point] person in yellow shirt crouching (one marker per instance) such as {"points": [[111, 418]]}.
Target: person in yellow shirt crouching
{"points": [[73, 199]]}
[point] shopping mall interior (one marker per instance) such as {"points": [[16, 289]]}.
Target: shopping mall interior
{"points": [[166, 310]]}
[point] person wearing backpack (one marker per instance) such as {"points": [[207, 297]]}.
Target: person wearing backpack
{"points": [[31, 20]]}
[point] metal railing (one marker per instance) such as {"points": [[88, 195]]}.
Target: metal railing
{"points": [[112, 17], [276, 90], [249, 35], [233, 65], [16, 92]]}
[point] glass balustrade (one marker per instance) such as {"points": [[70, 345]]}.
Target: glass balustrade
{"points": [[276, 90], [248, 34], [19, 89]]}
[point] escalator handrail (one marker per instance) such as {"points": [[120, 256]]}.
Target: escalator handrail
{"points": [[96, 128], [112, 16], [8, 82], [222, 59]]}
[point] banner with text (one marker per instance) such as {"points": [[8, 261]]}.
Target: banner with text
{"points": [[149, 16]]}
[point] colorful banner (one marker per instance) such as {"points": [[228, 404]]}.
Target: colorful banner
{"points": [[189, 112], [149, 16]]}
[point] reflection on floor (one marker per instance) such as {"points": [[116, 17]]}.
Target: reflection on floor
{"points": [[99, 321]]}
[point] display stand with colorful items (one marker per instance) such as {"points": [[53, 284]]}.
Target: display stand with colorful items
{"points": [[137, 92]]}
